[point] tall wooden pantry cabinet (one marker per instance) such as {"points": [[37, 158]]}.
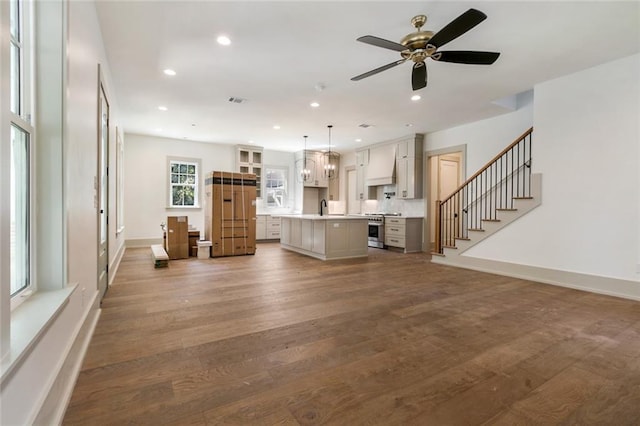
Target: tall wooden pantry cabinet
{"points": [[230, 213]]}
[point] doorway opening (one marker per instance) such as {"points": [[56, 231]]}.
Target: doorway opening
{"points": [[445, 172]]}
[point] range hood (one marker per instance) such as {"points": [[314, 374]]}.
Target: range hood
{"points": [[382, 165]]}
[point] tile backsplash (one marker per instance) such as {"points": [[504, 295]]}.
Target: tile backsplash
{"points": [[393, 204]]}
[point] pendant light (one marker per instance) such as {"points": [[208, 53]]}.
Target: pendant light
{"points": [[305, 167], [330, 169]]}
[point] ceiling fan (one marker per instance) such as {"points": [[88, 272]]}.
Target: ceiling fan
{"points": [[421, 45]]}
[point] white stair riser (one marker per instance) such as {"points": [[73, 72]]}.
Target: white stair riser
{"points": [[489, 228]]}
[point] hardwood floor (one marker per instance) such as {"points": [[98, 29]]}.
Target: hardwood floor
{"points": [[280, 338]]}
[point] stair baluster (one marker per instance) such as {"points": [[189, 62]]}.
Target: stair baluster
{"points": [[505, 178]]}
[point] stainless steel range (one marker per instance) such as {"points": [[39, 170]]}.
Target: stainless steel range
{"points": [[376, 229]]}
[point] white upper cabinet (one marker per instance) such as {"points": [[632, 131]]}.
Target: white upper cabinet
{"points": [[409, 169], [363, 192], [249, 160]]}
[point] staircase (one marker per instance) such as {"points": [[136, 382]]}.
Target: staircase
{"points": [[497, 195]]}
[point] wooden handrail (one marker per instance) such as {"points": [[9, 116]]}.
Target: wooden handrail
{"points": [[486, 166]]}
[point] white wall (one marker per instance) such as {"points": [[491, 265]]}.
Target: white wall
{"points": [[486, 138], [38, 388], [586, 145], [146, 179]]}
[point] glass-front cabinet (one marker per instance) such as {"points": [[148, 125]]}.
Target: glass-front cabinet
{"points": [[249, 159]]}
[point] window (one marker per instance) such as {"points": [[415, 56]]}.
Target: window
{"points": [[21, 143], [276, 186], [184, 182], [19, 216]]}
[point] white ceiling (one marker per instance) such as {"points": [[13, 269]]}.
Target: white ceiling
{"points": [[282, 51]]}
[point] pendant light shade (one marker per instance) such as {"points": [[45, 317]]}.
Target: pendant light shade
{"points": [[305, 166], [331, 160]]}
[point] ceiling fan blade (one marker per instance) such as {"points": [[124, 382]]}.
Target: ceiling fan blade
{"points": [[457, 27], [377, 70], [380, 42], [466, 57], [419, 76]]}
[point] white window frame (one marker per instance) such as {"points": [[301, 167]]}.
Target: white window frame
{"points": [[22, 119], [197, 185], [265, 189]]}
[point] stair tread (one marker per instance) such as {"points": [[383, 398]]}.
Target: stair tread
{"points": [[450, 247], [523, 198], [435, 253], [463, 239], [491, 220], [507, 210], [476, 229]]}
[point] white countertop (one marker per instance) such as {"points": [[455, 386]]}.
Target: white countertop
{"points": [[323, 217]]}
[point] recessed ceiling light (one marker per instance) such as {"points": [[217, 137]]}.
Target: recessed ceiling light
{"points": [[276, 127], [358, 140], [315, 104], [162, 108], [158, 129], [409, 125], [169, 72], [416, 98], [251, 142], [224, 40]]}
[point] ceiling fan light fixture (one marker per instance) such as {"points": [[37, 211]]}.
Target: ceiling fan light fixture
{"points": [[416, 98], [169, 72], [420, 45]]}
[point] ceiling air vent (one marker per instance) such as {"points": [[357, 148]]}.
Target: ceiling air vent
{"points": [[365, 125], [236, 100]]}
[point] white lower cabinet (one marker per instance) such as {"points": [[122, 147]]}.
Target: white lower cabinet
{"points": [[268, 227], [261, 227], [403, 233]]}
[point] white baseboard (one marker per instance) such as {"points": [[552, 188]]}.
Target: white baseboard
{"points": [[55, 404], [142, 242], [626, 289], [113, 268]]}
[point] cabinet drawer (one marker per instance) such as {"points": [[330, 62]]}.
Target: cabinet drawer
{"points": [[394, 241], [394, 220], [395, 230], [273, 235], [273, 225]]}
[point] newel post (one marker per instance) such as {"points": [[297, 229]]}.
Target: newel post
{"points": [[438, 229]]}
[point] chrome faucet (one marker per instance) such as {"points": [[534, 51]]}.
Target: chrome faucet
{"points": [[321, 203]]}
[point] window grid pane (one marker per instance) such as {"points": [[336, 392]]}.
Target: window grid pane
{"points": [[14, 19], [16, 80], [276, 187], [19, 231], [183, 179]]}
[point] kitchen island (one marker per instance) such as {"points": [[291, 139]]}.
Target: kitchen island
{"points": [[325, 237]]}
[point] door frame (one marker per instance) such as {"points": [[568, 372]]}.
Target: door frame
{"points": [[429, 197], [348, 169], [102, 189]]}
